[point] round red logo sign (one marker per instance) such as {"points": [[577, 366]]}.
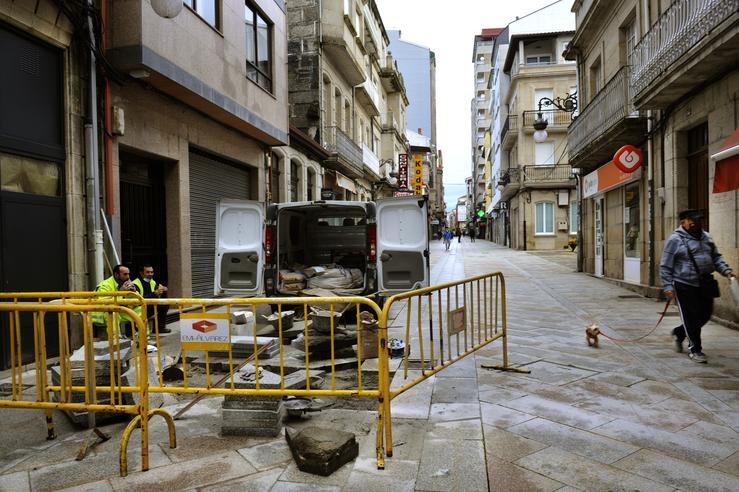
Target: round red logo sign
{"points": [[628, 158]]}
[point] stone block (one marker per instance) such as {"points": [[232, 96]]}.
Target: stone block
{"points": [[255, 432], [322, 451], [252, 418]]}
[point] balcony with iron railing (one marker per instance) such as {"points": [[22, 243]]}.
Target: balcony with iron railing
{"points": [[692, 42], [509, 132], [509, 183], [371, 161], [539, 176], [392, 79], [346, 156], [556, 119], [607, 122], [369, 96]]}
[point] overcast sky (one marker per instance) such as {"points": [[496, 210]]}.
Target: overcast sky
{"points": [[449, 29]]}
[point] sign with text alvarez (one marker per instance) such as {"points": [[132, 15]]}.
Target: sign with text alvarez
{"points": [[204, 331], [417, 174]]}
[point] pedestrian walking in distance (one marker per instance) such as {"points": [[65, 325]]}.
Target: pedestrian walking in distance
{"points": [[688, 261], [447, 238], [459, 234]]}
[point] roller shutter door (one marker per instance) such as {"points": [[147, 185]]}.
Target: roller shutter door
{"points": [[210, 181]]}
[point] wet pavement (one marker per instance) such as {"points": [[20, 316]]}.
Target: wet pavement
{"points": [[624, 416]]}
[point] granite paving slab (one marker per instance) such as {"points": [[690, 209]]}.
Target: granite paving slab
{"points": [[677, 473], [455, 390], [694, 449], [585, 474], [576, 441], [500, 416], [503, 475], [508, 446], [558, 412], [453, 411], [450, 464], [257, 482]]}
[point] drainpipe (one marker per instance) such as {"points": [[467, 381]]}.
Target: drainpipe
{"points": [[108, 125], [650, 198], [94, 233]]}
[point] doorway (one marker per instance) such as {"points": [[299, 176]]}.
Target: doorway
{"points": [[632, 234], [698, 170], [33, 257], [598, 215], [143, 214]]}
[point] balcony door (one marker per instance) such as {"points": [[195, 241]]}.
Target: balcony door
{"points": [[698, 170]]}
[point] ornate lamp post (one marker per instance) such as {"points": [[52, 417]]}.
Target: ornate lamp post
{"points": [[568, 104]]}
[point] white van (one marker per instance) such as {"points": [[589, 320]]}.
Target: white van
{"points": [[386, 240]]}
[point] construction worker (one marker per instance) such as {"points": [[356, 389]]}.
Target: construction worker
{"points": [[149, 289], [119, 281]]}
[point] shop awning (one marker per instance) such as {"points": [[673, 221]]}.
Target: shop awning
{"points": [[345, 182], [726, 177]]}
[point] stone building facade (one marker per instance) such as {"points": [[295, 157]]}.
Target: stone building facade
{"points": [[347, 96], [663, 79], [203, 98], [534, 206], [42, 155]]}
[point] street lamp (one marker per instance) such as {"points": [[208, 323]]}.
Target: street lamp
{"points": [[568, 104]]}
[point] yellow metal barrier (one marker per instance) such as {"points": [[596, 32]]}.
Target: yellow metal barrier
{"points": [[452, 320], [212, 316], [70, 395]]}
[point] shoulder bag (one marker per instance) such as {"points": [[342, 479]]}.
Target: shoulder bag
{"points": [[708, 284]]}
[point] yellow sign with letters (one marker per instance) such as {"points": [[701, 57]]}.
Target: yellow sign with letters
{"points": [[417, 174]]}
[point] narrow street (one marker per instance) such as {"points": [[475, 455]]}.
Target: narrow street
{"points": [[625, 416]]}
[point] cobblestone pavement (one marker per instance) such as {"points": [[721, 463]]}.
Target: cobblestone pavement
{"points": [[625, 416]]}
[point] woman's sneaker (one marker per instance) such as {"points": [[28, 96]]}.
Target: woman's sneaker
{"points": [[698, 357]]}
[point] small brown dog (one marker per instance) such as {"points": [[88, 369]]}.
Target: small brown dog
{"points": [[591, 335]]}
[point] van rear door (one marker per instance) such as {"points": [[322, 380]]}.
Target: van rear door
{"points": [[239, 248], [402, 243]]}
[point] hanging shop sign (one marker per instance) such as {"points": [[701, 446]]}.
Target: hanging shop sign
{"points": [[403, 171], [606, 177], [417, 174], [628, 158]]}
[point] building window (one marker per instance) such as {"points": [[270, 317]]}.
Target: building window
{"points": [[538, 60], [294, 181], [595, 79], [544, 218], [310, 184], [574, 223], [544, 153], [258, 48], [207, 9]]}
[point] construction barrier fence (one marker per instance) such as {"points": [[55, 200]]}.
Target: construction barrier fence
{"points": [[316, 347]]}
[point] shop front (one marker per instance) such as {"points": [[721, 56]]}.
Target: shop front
{"points": [[615, 195]]}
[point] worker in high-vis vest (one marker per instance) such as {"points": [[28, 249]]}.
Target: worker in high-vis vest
{"points": [[119, 281], [150, 289]]}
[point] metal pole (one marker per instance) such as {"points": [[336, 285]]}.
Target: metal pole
{"points": [[94, 234]]}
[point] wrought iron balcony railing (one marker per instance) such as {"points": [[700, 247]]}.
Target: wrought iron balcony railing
{"points": [[511, 124], [610, 106], [547, 174], [678, 29], [338, 142], [554, 117]]}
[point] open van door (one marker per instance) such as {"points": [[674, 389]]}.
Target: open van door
{"points": [[402, 243], [239, 248]]}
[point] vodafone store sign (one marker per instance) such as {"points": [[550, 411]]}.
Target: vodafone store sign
{"points": [[628, 158]]}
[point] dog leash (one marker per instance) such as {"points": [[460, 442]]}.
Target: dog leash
{"points": [[662, 316]]}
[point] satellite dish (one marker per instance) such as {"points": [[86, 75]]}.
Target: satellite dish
{"points": [[167, 8]]}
